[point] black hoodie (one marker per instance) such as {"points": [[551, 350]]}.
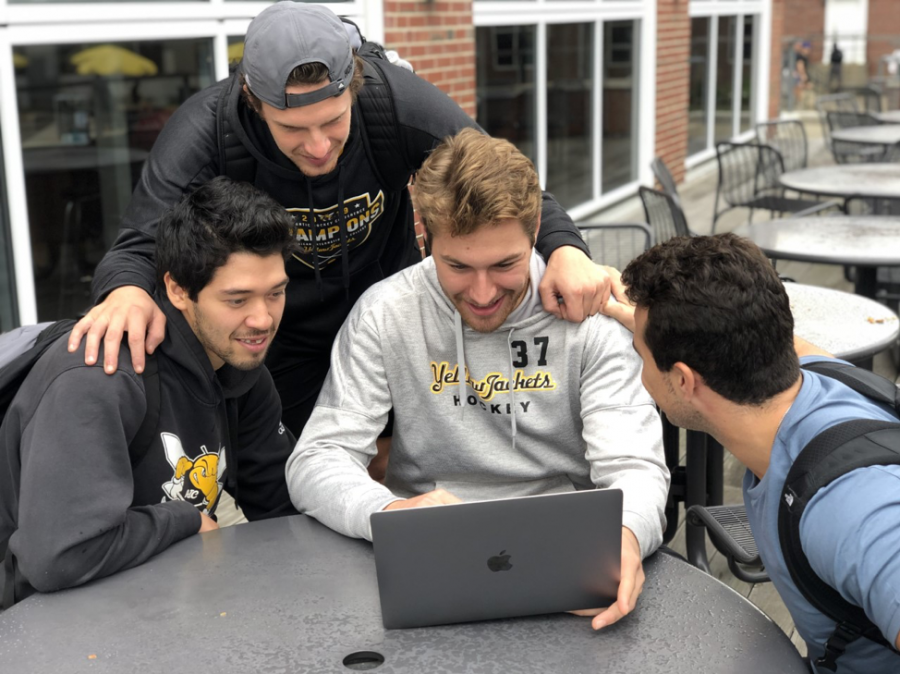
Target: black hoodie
{"points": [[72, 507], [375, 239]]}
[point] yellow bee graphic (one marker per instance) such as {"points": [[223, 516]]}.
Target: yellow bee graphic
{"points": [[197, 480]]}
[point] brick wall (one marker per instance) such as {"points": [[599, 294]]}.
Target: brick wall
{"points": [[884, 20], [778, 18], [672, 83], [438, 38]]}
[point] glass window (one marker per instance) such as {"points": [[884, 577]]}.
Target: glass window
{"points": [[748, 91], [570, 72], [89, 114], [619, 103], [724, 128], [8, 314], [505, 89], [698, 120]]}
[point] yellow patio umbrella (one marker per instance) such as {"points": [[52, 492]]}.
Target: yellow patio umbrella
{"points": [[235, 52], [109, 59]]}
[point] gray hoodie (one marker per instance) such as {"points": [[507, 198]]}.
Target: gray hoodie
{"points": [[577, 415]]}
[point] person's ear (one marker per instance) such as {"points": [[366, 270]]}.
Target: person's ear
{"points": [[684, 380], [177, 295]]}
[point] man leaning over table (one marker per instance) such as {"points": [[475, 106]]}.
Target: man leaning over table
{"points": [[73, 506], [713, 326], [492, 396]]}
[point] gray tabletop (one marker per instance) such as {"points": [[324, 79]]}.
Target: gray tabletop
{"points": [[844, 180], [889, 117], [288, 595], [849, 326], [864, 240], [881, 134]]}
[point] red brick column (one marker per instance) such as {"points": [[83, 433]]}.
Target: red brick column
{"points": [[438, 38], [673, 40], [775, 64]]}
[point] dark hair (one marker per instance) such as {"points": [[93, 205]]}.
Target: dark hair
{"points": [[716, 304], [308, 73], [219, 218]]}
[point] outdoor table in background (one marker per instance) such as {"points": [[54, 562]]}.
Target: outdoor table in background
{"points": [[289, 595], [864, 241], [880, 134], [889, 117], [846, 180]]}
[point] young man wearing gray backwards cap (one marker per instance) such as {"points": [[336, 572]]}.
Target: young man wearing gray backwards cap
{"points": [[492, 396], [334, 139]]}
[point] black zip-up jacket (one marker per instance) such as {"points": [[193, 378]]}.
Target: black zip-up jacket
{"points": [[72, 507], [376, 233]]}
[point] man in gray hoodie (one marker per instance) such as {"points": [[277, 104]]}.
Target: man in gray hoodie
{"points": [[493, 397]]}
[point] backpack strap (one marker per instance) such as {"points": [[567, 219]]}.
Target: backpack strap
{"points": [[235, 160], [864, 382], [858, 443], [378, 127], [145, 435]]}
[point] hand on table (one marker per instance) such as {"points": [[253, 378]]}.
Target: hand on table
{"points": [[618, 306], [207, 523], [630, 585], [431, 498], [572, 277], [127, 309]]}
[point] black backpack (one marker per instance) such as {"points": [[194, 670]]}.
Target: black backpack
{"points": [[834, 452], [378, 127], [27, 352]]}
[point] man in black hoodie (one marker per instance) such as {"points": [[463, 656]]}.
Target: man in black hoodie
{"points": [[301, 113], [75, 503]]}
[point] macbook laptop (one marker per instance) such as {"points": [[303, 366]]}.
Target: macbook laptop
{"points": [[498, 559]]}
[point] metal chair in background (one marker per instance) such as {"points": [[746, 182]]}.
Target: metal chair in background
{"points": [[788, 136], [874, 98], [748, 178], [892, 156], [852, 153], [843, 102], [616, 245], [665, 179], [664, 215]]}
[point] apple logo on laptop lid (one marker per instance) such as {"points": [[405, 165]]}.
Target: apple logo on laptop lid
{"points": [[499, 562]]}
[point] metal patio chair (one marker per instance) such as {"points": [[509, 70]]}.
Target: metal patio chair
{"points": [[852, 153], [748, 178], [664, 215], [616, 244], [788, 136], [664, 177], [843, 102]]}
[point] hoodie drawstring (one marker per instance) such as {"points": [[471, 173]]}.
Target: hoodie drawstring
{"points": [[342, 223], [231, 471], [314, 234], [512, 387]]}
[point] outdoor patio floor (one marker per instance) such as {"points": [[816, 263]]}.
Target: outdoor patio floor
{"points": [[698, 194]]}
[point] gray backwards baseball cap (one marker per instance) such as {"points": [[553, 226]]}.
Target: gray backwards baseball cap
{"points": [[289, 34]]}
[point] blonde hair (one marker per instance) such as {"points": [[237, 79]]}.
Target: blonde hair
{"points": [[472, 180]]}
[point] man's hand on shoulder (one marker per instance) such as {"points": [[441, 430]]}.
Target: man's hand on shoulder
{"points": [[630, 585], [431, 498], [573, 286], [127, 309], [618, 305], [207, 523]]}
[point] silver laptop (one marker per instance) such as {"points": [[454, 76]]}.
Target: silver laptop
{"points": [[498, 559]]}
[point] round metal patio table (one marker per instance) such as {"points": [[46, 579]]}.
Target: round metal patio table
{"points": [[889, 117], [289, 595], [880, 134], [866, 242], [846, 180]]}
